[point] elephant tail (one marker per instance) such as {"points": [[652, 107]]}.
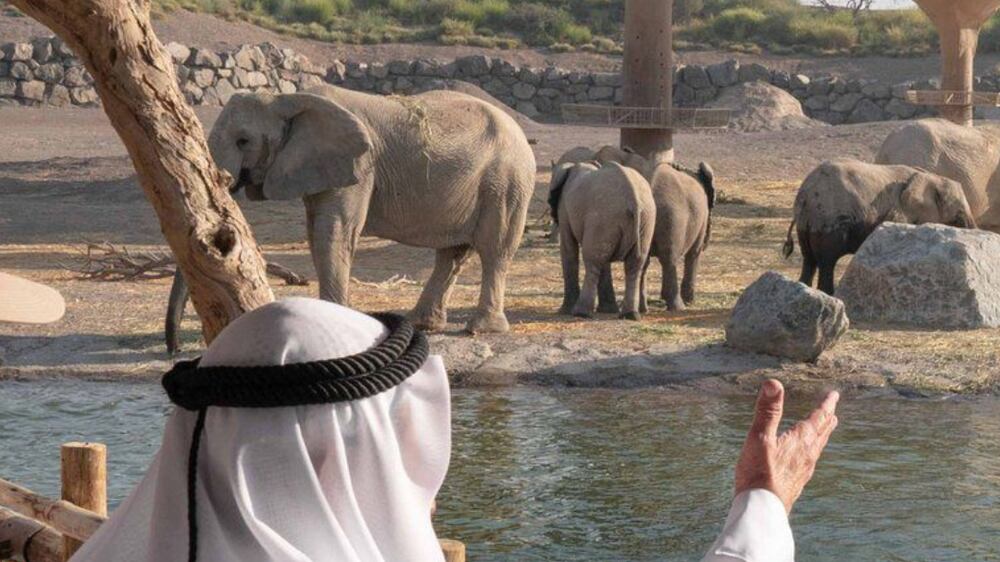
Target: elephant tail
{"points": [[789, 246], [175, 312]]}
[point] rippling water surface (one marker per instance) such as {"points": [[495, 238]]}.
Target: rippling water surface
{"points": [[587, 475]]}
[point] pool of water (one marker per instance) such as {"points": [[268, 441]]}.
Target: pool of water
{"points": [[588, 475]]}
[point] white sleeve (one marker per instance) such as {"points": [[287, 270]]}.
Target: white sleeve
{"points": [[756, 530]]}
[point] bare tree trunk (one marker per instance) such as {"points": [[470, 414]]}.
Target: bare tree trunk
{"points": [[135, 78]]}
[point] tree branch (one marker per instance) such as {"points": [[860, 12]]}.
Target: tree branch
{"points": [[135, 78]]}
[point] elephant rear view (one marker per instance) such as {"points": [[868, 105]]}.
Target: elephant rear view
{"points": [[841, 202], [440, 170], [608, 215]]}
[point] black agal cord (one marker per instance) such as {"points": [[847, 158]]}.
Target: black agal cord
{"points": [[354, 377]]}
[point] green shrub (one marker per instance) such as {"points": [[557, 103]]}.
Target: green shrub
{"points": [[539, 24], [738, 24], [822, 33], [456, 27], [561, 48], [309, 11], [574, 34]]}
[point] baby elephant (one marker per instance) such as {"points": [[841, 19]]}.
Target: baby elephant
{"points": [[841, 202], [684, 202], [608, 213]]}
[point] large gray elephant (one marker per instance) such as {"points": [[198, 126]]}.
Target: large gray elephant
{"points": [[841, 202], [607, 214], [970, 156], [439, 170]]}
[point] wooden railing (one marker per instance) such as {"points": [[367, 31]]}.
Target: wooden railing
{"points": [[41, 529]]}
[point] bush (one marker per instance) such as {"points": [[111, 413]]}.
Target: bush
{"points": [[539, 24], [574, 34], [309, 11], [738, 24], [456, 28], [822, 34]]}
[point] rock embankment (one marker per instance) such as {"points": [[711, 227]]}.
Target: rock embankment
{"points": [[45, 71]]}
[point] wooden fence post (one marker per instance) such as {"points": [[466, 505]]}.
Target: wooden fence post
{"points": [[454, 551], [84, 482]]}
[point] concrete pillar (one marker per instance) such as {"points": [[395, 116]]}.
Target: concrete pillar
{"points": [[648, 72]]}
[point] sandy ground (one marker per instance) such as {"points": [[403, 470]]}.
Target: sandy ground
{"points": [[209, 31], [65, 179]]}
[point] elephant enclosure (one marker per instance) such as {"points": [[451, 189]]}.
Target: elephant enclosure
{"points": [[65, 180]]}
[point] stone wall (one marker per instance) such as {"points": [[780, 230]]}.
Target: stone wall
{"points": [[45, 71]]}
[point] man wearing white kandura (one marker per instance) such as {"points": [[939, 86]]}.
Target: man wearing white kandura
{"points": [[310, 432]]}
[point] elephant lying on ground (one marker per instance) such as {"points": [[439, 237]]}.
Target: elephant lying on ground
{"points": [[608, 214], [967, 155], [841, 202], [438, 170], [684, 202]]}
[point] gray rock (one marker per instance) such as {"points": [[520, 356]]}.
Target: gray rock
{"points": [[399, 67], [384, 87], [33, 90], [51, 73], [8, 87], [178, 53], [204, 57], [781, 317], [21, 71], [613, 79], [62, 49], [286, 87], [501, 67], [403, 84], [473, 65], [192, 93], [781, 79], [555, 74], [42, 49], [497, 87], [877, 91], [598, 93], [203, 78], [820, 87], [724, 73], [900, 109], [17, 51], [846, 103], [866, 112], [753, 72], [250, 57], [336, 72], [928, 276], [899, 90], [684, 95], [379, 70], [210, 97], [530, 75], [523, 91], [695, 76], [4, 69], [357, 69], [224, 90], [818, 102], [84, 96], [423, 67], [548, 92], [305, 81], [77, 76], [58, 96], [799, 81], [527, 109]]}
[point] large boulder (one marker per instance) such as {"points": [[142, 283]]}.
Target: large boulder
{"points": [[781, 317], [759, 106], [928, 276]]}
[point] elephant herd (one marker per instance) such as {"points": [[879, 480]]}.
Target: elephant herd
{"points": [[448, 171]]}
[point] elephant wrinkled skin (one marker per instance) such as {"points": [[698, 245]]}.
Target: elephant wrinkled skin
{"points": [[440, 170]]}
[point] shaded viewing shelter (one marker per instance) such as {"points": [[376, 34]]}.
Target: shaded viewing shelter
{"points": [[958, 23]]}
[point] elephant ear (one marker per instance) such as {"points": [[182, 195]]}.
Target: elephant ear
{"points": [[919, 200], [325, 147]]}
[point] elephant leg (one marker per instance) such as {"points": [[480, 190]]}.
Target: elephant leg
{"points": [[633, 274], [587, 302], [431, 312], [569, 252], [334, 225], [808, 260], [690, 280], [670, 291], [606, 301], [826, 274], [643, 305], [497, 237], [175, 312]]}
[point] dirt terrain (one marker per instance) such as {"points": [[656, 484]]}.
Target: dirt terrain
{"points": [[210, 31], [65, 179]]}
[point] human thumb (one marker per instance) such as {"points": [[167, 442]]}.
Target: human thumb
{"points": [[770, 406]]}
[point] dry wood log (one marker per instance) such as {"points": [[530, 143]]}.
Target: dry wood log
{"points": [[22, 539], [136, 81], [454, 551], [61, 515], [84, 482]]}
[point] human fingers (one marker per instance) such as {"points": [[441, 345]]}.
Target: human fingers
{"points": [[769, 409]]}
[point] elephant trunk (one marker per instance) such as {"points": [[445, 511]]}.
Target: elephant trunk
{"points": [[175, 312]]}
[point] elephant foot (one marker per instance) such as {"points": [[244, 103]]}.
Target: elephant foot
{"points": [[566, 309], [675, 304], [688, 297], [490, 323], [429, 323], [582, 314], [631, 315], [643, 307], [609, 307]]}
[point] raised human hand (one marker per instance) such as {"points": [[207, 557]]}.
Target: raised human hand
{"points": [[784, 463]]}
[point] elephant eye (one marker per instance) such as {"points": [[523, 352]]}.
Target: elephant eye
{"points": [[241, 143]]}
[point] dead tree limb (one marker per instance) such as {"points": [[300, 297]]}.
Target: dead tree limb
{"points": [[136, 81]]}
